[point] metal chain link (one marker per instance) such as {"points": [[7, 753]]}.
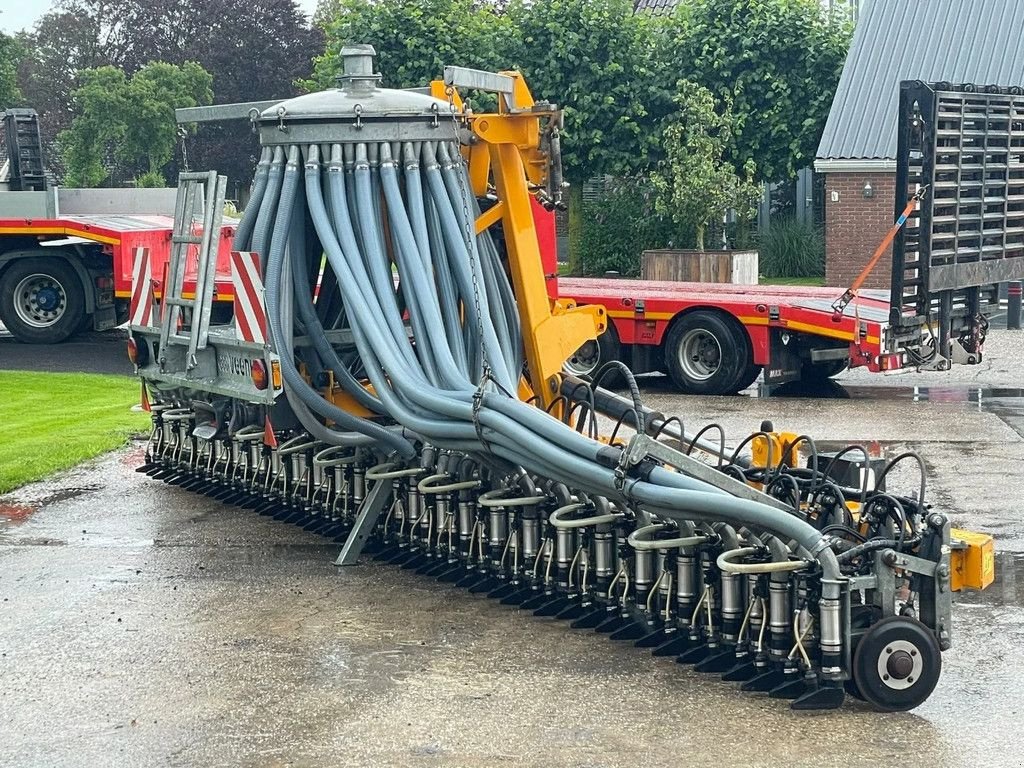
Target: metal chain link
{"points": [[182, 133], [468, 237]]}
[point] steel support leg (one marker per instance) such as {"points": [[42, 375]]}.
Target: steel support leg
{"points": [[366, 519]]}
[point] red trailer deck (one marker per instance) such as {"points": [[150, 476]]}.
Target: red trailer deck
{"points": [[716, 338], [58, 275]]}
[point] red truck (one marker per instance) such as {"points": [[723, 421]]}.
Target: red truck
{"points": [[61, 273]]}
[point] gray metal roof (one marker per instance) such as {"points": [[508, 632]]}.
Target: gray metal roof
{"points": [[655, 7], [959, 41]]}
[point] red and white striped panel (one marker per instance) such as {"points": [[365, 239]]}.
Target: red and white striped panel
{"points": [[141, 306], [250, 312]]}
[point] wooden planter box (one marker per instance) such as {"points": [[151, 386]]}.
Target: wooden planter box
{"points": [[683, 266]]}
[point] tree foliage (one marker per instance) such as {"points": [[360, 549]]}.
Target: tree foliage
{"points": [[129, 120], [70, 38], [10, 55], [254, 49], [414, 39], [695, 183], [620, 223], [592, 57], [777, 62]]}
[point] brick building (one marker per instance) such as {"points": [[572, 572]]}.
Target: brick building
{"points": [[958, 41]]}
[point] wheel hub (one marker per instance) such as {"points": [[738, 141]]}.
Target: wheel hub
{"points": [[899, 664], [48, 299], [584, 360], [700, 354], [40, 300]]}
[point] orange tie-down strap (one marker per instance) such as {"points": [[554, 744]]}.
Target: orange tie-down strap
{"points": [[841, 303]]}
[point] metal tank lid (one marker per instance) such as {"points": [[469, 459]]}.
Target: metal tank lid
{"points": [[358, 110]]}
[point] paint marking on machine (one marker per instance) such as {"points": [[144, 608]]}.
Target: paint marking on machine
{"points": [[250, 314]]}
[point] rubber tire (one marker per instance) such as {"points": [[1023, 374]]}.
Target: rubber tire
{"points": [[862, 618], [865, 664], [62, 272], [608, 348], [749, 376], [734, 356]]}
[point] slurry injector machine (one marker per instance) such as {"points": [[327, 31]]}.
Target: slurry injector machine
{"points": [[392, 378]]}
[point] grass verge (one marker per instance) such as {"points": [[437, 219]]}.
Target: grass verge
{"points": [[52, 421], [814, 281]]}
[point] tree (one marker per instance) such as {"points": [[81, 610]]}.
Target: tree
{"points": [[64, 41], [10, 54], [695, 183], [414, 39], [777, 62], [130, 119], [255, 50], [593, 57]]}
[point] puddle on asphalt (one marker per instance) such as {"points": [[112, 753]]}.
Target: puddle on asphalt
{"points": [[16, 513], [957, 394], [1008, 587]]}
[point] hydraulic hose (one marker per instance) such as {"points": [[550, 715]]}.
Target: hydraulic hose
{"points": [[424, 386], [275, 270]]}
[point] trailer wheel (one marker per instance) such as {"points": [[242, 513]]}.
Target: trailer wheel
{"points": [[593, 354], [749, 376], [41, 300], [705, 354]]}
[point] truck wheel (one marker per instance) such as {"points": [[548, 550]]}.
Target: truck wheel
{"points": [[706, 355], [749, 376], [41, 300], [593, 354]]}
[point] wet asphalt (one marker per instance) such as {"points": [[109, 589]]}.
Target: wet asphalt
{"points": [[87, 352], [142, 625]]}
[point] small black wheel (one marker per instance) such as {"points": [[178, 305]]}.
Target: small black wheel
{"points": [[705, 354], [586, 360], [862, 618], [41, 300], [897, 664]]}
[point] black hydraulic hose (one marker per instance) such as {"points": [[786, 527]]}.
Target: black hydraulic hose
{"points": [[896, 460], [634, 390], [873, 545]]}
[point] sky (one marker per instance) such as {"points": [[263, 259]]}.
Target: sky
{"points": [[16, 15]]}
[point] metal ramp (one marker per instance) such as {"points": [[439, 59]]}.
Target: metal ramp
{"points": [[186, 321]]}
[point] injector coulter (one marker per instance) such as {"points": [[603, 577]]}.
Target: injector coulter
{"points": [[393, 379]]}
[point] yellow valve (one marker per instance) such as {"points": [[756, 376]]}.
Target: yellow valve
{"points": [[771, 449], [972, 561]]}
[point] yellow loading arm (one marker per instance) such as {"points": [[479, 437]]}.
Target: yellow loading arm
{"points": [[509, 152]]}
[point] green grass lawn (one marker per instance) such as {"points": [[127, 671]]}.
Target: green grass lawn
{"points": [[52, 421], [814, 281]]}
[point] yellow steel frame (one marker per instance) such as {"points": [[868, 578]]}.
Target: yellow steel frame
{"points": [[506, 152]]}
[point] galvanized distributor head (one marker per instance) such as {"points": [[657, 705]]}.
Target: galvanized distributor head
{"points": [[358, 110]]}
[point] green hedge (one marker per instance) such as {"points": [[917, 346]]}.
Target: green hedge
{"points": [[791, 249], [619, 225]]}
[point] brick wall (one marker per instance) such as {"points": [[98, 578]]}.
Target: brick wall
{"points": [[855, 225]]}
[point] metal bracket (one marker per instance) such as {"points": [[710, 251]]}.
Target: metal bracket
{"points": [[366, 519], [642, 446]]}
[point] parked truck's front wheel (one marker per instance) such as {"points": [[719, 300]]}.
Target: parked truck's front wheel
{"points": [[41, 300], [706, 355]]}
